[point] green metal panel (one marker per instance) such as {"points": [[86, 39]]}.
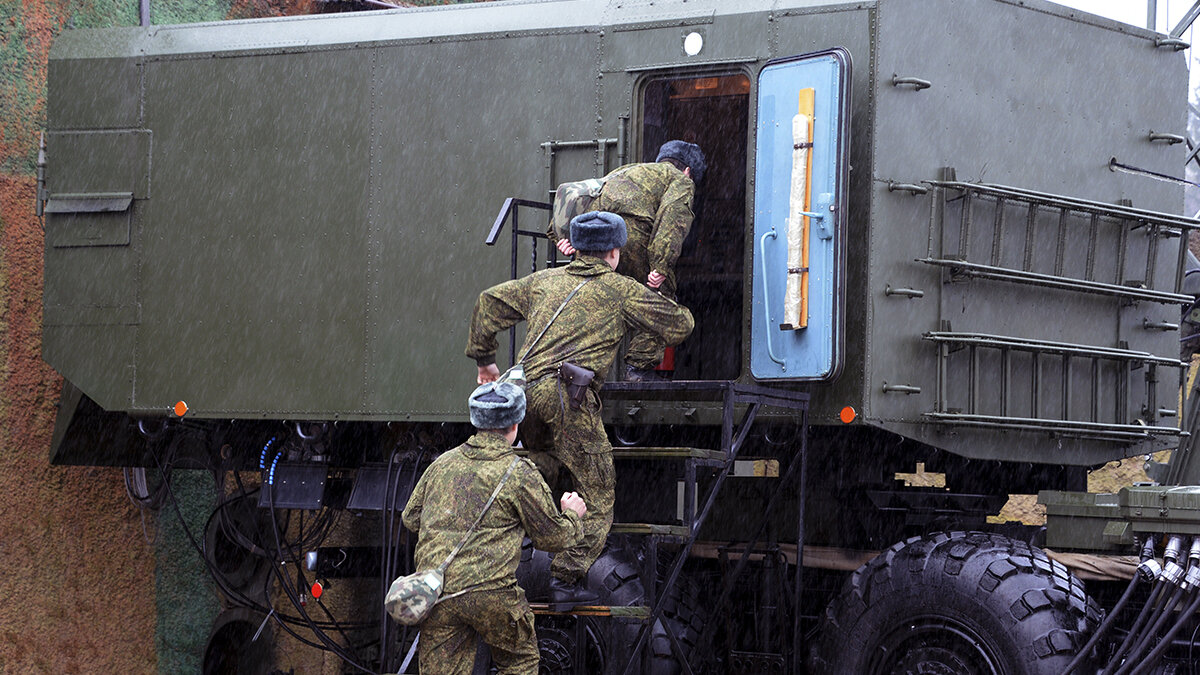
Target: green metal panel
{"points": [[97, 93], [252, 267], [321, 186], [996, 114], [440, 175]]}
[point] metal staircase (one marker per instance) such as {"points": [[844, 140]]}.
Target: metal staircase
{"points": [[740, 405]]}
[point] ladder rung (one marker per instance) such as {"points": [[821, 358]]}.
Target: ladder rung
{"points": [[615, 611], [650, 528]]}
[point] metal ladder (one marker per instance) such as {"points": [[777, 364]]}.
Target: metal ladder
{"points": [[1017, 236], [719, 462]]}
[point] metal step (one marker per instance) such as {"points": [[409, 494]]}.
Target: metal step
{"points": [[637, 452], [639, 612], [680, 531]]}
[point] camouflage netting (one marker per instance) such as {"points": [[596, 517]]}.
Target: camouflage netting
{"points": [[79, 593]]}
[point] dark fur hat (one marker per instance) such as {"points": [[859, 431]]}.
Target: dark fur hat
{"points": [[497, 405], [597, 231], [689, 154]]}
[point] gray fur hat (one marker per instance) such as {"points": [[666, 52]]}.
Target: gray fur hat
{"points": [[689, 154], [598, 231], [497, 405]]}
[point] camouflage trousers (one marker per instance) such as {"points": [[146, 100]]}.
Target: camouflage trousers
{"points": [[501, 618], [645, 349], [559, 437]]}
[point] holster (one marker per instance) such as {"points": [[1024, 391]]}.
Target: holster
{"points": [[575, 379]]}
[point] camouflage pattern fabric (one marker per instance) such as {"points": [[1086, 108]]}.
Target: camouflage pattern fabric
{"points": [[656, 202], [590, 328], [560, 437], [588, 332], [449, 497], [501, 618], [410, 597]]}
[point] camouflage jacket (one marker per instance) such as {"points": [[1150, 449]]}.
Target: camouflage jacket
{"points": [[450, 496], [589, 330], [656, 202]]}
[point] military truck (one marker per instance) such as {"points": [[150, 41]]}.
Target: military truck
{"points": [[930, 268]]}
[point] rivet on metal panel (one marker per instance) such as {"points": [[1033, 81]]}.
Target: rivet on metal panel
{"points": [[915, 82]]}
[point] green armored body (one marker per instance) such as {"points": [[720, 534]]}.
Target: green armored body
{"points": [[992, 294]]}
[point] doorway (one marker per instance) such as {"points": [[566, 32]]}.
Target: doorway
{"points": [[712, 111]]}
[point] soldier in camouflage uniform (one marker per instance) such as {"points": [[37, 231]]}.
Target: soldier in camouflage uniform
{"points": [[587, 332], [446, 501], [655, 200]]}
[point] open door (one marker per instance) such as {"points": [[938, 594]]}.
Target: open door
{"points": [[801, 163]]}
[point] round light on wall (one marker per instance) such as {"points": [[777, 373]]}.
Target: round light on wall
{"points": [[693, 43]]}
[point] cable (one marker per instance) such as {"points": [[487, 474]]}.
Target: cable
{"points": [[1162, 646], [1147, 569], [1131, 661], [1147, 610], [1108, 621], [291, 593]]}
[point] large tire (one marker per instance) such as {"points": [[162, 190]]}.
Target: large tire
{"points": [[615, 578], [961, 603]]}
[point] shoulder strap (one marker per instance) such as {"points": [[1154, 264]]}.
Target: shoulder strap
{"points": [[556, 313], [478, 520]]}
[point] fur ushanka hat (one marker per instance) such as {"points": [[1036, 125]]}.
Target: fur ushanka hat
{"points": [[689, 154], [598, 231], [497, 405]]}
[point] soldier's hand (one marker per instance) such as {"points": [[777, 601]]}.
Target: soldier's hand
{"points": [[565, 247], [489, 373], [655, 279], [573, 502]]}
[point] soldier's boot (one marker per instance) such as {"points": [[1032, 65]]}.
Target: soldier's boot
{"points": [[566, 596], [643, 375]]}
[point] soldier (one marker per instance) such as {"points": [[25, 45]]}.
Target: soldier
{"points": [[565, 431], [446, 501], [655, 199]]}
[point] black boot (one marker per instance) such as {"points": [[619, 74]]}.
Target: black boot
{"points": [[643, 375], [564, 596]]}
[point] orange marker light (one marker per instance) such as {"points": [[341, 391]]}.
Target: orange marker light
{"points": [[181, 409], [317, 589], [848, 415]]}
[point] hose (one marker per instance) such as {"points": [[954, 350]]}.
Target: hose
{"points": [[1162, 646], [1161, 616]]}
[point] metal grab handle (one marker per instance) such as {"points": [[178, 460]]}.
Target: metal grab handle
{"points": [[900, 388], [1171, 139], [915, 82], [913, 188], [1159, 325], [1172, 42], [904, 292], [762, 256]]}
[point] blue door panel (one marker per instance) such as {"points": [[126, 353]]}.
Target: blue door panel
{"points": [[813, 352]]}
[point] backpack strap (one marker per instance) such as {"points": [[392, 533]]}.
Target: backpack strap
{"points": [[556, 313]]}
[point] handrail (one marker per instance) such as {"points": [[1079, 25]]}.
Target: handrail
{"points": [[507, 209]]}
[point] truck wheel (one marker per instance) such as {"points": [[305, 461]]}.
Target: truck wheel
{"points": [[614, 576], [967, 603]]}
